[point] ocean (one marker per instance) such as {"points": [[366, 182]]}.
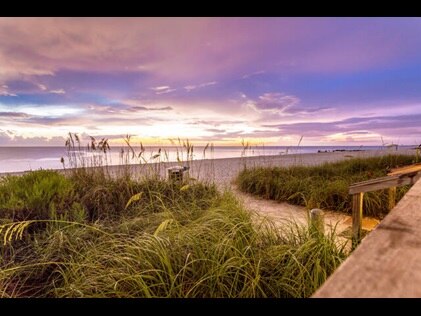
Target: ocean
{"points": [[15, 159]]}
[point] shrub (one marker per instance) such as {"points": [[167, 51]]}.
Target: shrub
{"points": [[35, 195]]}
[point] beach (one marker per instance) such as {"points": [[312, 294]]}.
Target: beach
{"points": [[223, 171]]}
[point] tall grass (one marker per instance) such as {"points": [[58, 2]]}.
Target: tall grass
{"points": [[217, 251], [325, 186], [90, 233], [94, 159]]}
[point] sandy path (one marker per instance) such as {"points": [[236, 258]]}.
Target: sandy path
{"points": [[278, 211], [225, 170], [282, 211]]}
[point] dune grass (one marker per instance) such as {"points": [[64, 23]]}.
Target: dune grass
{"points": [[87, 233], [77, 236], [324, 186]]}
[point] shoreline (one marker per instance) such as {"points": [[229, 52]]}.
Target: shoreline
{"points": [[170, 163], [223, 170]]}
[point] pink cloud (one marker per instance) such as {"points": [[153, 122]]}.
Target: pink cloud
{"points": [[192, 48], [181, 48], [85, 61]]}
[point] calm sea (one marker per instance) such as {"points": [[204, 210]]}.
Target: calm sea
{"points": [[14, 159]]}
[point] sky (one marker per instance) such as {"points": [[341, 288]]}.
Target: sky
{"points": [[331, 81]]}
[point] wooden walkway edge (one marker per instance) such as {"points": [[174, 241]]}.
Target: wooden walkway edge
{"points": [[398, 177], [387, 263]]}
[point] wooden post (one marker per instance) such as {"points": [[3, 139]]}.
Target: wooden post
{"points": [[392, 198], [357, 218], [317, 222]]}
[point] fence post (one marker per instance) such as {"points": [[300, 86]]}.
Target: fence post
{"points": [[357, 218], [317, 222], [392, 198]]}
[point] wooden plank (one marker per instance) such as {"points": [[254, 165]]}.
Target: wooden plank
{"points": [[357, 218], [407, 169], [384, 183], [376, 180], [391, 198], [387, 263]]}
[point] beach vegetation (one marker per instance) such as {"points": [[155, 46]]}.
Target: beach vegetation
{"points": [[85, 232], [158, 239], [325, 186]]}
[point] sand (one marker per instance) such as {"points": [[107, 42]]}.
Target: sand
{"points": [[224, 170]]}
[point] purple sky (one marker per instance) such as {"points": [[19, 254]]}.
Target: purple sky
{"points": [[334, 81]]}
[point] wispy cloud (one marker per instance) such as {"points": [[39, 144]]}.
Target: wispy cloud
{"points": [[202, 85], [274, 102], [246, 76], [355, 128], [42, 87], [4, 91], [58, 91], [303, 110], [166, 91], [14, 114], [196, 121], [162, 89], [144, 108]]}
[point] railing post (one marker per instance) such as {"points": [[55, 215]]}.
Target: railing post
{"points": [[392, 198], [317, 222], [357, 218]]}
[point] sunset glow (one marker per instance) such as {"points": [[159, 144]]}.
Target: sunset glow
{"points": [[347, 81]]}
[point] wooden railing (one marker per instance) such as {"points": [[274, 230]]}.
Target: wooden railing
{"points": [[396, 178], [387, 262]]}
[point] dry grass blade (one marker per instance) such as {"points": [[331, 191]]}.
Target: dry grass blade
{"points": [[133, 199], [185, 188]]}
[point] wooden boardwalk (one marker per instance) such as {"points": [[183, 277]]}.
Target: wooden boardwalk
{"points": [[387, 263], [396, 178]]}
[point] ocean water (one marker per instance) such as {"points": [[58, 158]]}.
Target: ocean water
{"points": [[15, 159]]}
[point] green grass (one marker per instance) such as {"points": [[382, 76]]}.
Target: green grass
{"points": [[34, 195], [75, 236], [44, 194], [324, 186]]}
